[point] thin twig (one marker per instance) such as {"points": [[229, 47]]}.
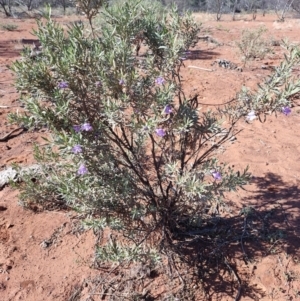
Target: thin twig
{"points": [[270, 249], [217, 104], [103, 281], [77, 293], [170, 256], [200, 68]]}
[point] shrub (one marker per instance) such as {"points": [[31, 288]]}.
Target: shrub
{"points": [[10, 27], [276, 92], [127, 148], [252, 44]]}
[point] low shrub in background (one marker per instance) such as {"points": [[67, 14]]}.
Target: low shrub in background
{"points": [[253, 45], [9, 27]]}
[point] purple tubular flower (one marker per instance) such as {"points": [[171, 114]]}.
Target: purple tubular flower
{"points": [[121, 82], [98, 84], [167, 109], [77, 128], [63, 85], [160, 132], [82, 170], [217, 175], [160, 80], [86, 127], [286, 111], [76, 149]]}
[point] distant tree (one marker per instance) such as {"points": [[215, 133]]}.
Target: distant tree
{"points": [[217, 6], [296, 6], [202, 4], [234, 9], [252, 6], [193, 4], [263, 6], [282, 7], [31, 4], [64, 5], [7, 7]]}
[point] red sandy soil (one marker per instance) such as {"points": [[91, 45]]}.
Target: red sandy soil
{"points": [[30, 272]]}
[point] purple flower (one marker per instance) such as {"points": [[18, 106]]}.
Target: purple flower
{"points": [[63, 85], [98, 84], [160, 80], [121, 82], [160, 132], [251, 116], [217, 175], [82, 170], [86, 127], [77, 128], [286, 111], [167, 109], [76, 149]]}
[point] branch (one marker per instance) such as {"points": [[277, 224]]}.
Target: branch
{"points": [[218, 144], [8, 136], [156, 165], [120, 144]]}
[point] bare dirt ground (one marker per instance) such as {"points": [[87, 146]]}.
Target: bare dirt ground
{"points": [[42, 257]]}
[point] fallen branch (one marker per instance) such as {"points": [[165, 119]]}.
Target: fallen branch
{"points": [[8, 136], [200, 68]]}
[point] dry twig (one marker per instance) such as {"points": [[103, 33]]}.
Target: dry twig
{"points": [[8, 136], [238, 295], [8, 107], [200, 68]]}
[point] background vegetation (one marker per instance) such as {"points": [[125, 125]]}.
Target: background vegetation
{"points": [[218, 7]]}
